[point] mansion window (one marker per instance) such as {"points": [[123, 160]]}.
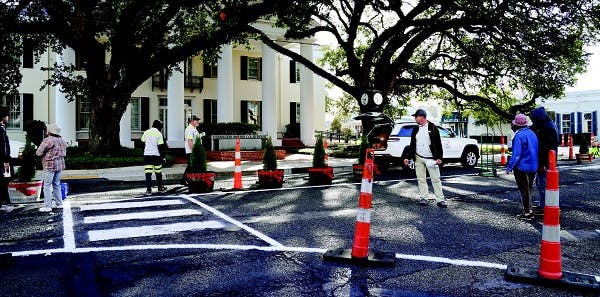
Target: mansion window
{"points": [[210, 71], [251, 68], [294, 72], [136, 114], [20, 110], [84, 115], [565, 123], [210, 111], [251, 112]]}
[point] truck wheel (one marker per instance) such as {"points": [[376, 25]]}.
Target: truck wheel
{"points": [[469, 158]]}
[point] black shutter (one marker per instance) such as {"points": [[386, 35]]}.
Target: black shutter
{"points": [[244, 110], [145, 113], [260, 68], [207, 110], [292, 72], [27, 53], [244, 68], [27, 108], [206, 70], [292, 112]]}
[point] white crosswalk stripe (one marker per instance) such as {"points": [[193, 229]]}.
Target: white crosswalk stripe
{"points": [[141, 216], [154, 230], [121, 205]]}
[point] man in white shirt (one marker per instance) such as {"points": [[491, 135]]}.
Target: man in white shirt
{"points": [[153, 155], [191, 134], [426, 150]]}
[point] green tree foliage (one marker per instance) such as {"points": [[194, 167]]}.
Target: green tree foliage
{"points": [[412, 49], [319, 153], [269, 158], [143, 38], [198, 157], [336, 124]]}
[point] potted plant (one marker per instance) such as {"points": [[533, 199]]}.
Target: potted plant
{"points": [[584, 149], [270, 176], [198, 179], [320, 174], [23, 189]]}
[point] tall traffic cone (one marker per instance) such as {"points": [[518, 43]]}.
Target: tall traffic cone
{"points": [[360, 253], [550, 258], [237, 173], [502, 151], [571, 147], [549, 271], [562, 140]]}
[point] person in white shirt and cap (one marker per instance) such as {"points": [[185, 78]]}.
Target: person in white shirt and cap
{"points": [[426, 150]]}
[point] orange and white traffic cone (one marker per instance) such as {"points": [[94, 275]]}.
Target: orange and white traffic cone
{"points": [[360, 247], [359, 253], [571, 147], [562, 140], [502, 151], [237, 173], [550, 256]]}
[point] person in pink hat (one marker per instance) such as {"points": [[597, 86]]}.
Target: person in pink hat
{"points": [[524, 162]]}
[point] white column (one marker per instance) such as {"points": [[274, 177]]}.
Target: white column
{"points": [[307, 127], [318, 96], [225, 85], [65, 112], [125, 130], [270, 102], [175, 113]]}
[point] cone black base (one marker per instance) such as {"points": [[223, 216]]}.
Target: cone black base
{"points": [[373, 259], [584, 282]]}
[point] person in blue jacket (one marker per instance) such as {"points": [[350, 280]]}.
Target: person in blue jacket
{"points": [[524, 162]]}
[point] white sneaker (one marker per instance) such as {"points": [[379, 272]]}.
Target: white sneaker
{"points": [[45, 209], [57, 206]]}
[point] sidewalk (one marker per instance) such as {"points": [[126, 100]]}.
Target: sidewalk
{"points": [[295, 163]]}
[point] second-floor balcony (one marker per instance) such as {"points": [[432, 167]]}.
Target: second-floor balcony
{"points": [[160, 80]]}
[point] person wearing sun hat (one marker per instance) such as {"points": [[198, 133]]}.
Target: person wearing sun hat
{"points": [[53, 150], [524, 162]]}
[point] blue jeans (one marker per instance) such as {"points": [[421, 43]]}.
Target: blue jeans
{"points": [[540, 183], [52, 188]]}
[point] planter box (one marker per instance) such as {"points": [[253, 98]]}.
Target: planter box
{"points": [[201, 182], [320, 175], [269, 179], [22, 192]]}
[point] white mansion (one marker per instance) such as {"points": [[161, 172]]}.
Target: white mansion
{"points": [[256, 85]]}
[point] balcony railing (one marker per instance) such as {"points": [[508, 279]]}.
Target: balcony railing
{"points": [[160, 81]]}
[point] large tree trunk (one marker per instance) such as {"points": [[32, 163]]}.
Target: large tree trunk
{"points": [[104, 125]]}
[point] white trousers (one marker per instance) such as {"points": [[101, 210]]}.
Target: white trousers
{"points": [[421, 171]]}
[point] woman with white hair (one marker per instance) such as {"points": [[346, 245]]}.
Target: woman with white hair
{"points": [[53, 150]]}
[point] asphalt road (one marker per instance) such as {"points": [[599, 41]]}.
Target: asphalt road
{"points": [[271, 242]]}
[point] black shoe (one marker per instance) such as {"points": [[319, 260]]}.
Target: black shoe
{"points": [[148, 192], [525, 216], [162, 189], [538, 210], [423, 201], [442, 204]]}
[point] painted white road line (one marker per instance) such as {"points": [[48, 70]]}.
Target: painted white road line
{"points": [[455, 262], [68, 232], [107, 206], [153, 230], [452, 261], [235, 222], [141, 215]]}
